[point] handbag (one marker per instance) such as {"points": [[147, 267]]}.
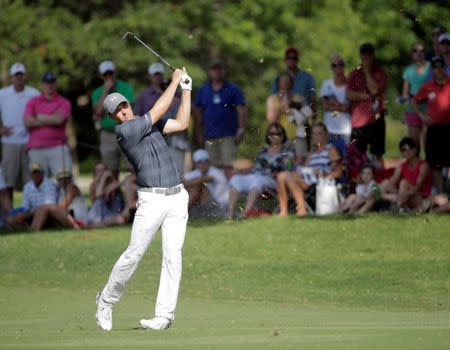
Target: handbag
{"points": [[326, 197]]}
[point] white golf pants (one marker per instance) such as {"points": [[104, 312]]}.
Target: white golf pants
{"points": [[154, 211]]}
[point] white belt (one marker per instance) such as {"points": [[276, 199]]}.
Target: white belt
{"points": [[166, 191]]}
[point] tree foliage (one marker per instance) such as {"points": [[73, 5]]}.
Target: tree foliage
{"points": [[72, 37]]}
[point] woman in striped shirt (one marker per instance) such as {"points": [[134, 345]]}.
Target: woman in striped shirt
{"points": [[323, 161]]}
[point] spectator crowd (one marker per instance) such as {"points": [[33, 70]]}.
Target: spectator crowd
{"points": [[323, 152]]}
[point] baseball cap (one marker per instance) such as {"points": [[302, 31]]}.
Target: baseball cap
{"points": [[290, 50], [17, 68], [49, 77], [444, 37], [112, 101], [216, 62], [106, 66], [367, 48], [155, 68], [200, 155], [437, 61], [35, 167], [62, 174]]}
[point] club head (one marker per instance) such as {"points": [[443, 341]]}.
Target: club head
{"points": [[127, 34]]}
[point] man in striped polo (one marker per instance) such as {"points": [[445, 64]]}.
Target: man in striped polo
{"points": [[162, 199]]}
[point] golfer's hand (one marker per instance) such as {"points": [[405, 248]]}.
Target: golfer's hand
{"points": [[186, 81], [176, 75]]}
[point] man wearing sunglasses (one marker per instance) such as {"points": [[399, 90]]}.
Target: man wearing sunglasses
{"points": [[110, 151], [435, 49], [304, 83], [444, 44], [436, 94]]}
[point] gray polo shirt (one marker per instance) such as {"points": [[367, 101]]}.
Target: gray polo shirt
{"points": [[147, 151]]}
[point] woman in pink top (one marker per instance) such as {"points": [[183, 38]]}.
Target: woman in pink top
{"points": [[411, 182]]}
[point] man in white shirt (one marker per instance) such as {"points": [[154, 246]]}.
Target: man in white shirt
{"points": [[13, 132], [206, 183]]}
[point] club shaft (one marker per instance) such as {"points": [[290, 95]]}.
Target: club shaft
{"points": [[154, 52]]}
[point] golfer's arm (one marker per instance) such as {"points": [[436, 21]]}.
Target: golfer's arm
{"points": [[184, 111], [163, 103]]}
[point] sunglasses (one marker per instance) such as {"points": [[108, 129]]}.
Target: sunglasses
{"points": [[108, 73], [292, 58], [418, 50], [274, 133], [338, 64], [404, 149], [445, 42]]}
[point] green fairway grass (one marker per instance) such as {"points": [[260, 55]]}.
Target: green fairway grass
{"points": [[375, 282]]}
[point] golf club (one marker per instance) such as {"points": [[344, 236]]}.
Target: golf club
{"points": [[127, 34]]}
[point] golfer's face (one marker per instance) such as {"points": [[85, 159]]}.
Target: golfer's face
{"points": [[123, 112]]}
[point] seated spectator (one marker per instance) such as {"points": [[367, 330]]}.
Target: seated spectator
{"points": [[277, 155], [411, 181], [206, 184], [70, 199], [440, 204], [107, 199], [323, 161], [364, 198], [278, 104], [436, 95], [335, 105], [38, 204]]}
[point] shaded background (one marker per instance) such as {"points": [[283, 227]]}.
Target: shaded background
{"points": [[72, 37]]}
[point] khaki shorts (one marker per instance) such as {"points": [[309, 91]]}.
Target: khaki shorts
{"points": [[15, 164], [52, 159], [222, 151], [110, 151]]}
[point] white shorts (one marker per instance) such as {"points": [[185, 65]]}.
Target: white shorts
{"points": [[247, 182]]}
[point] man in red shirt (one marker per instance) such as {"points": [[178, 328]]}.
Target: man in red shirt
{"points": [[436, 94], [365, 91]]}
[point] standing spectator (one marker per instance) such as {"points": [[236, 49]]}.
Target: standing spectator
{"points": [[278, 104], [414, 76], [13, 100], [435, 50], [365, 90], [150, 95], [220, 115], [206, 184], [411, 181], [444, 44], [46, 117], [304, 83], [336, 116], [177, 142], [109, 149], [436, 94]]}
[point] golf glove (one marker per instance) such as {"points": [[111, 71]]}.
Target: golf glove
{"points": [[186, 82]]}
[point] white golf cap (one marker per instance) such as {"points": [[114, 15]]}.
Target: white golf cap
{"points": [[200, 155], [444, 37], [106, 66], [17, 68], [112, 101], [155, 68]]}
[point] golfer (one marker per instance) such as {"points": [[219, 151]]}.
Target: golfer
{"points": [[162, 199]]}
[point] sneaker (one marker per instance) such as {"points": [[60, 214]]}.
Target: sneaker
{"points": [[104, 313], [156, 323]]}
